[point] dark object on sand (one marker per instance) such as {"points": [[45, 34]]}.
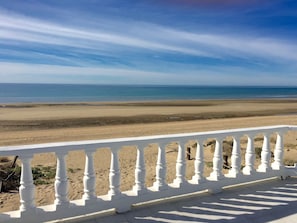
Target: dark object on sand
{"points": [[8, 180]]}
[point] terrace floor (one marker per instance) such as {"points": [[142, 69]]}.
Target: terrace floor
{"points": [[270, 201]]}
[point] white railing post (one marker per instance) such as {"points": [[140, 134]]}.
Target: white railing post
{"points": [[235, 158], [180, 166], [249, 156], [114, 175], [278, 152], [139, 187], [265, 155], [27, 187], [217, 174], [199, 164], [160, 183], [89, 179], [61, 182]]}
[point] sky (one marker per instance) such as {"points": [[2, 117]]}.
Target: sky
{"points": [[154, 42]]}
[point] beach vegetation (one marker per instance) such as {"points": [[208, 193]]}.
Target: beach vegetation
{"points": [[43, 174], [258, 139], [209, 164], [10, 176], [289, 162], [258, 151], [4, 159], [71, 170], [290, 146]]}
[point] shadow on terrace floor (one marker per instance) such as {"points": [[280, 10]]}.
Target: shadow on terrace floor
{"points": [[273, 201]]}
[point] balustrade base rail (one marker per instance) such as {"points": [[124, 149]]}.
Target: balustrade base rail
{"points": [[91, 204]]}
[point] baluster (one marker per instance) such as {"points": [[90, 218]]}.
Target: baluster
{"points": [[249, 156], [216, 174], [61, 182], [180, 167], [27, 187], [160, 183], [89, 179], [199, 164], [278, 153], [114, 175], [265, 155], [139, 187], [235, 158]]}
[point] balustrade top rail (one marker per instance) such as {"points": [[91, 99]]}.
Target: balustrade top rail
{"points": [[120, 142], [122, 201]]}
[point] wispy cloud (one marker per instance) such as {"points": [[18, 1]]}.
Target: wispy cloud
{"points": [[145, 36], [30, 30], [38, 73], [72, 74], [127, 50], [239, 45]]}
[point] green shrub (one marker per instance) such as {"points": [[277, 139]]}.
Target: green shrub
{"points": [[43, 175]]}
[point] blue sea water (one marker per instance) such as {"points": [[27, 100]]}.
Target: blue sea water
{"points": [[43, 93]]}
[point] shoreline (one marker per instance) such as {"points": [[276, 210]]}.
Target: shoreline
{"points": [[151, 101]]}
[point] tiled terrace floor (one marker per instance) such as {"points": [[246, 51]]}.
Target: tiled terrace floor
{"points": [[272, 201]]}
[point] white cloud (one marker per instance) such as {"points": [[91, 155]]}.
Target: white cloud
{"points": [[239, 45], [31, 30], [120, 36], [144, 36], [11, 72], [40, 71]]}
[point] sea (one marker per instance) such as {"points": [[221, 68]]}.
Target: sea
{"points": [[59, 93]]}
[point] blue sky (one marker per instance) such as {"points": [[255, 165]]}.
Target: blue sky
{"points": [[185, 42]]}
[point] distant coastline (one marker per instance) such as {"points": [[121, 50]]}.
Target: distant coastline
{"points": [[60, 93]]}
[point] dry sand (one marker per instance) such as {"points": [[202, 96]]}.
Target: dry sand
{"points": [[40, 123]]}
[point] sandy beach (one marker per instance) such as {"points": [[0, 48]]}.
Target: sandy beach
{"points": [[39, 123]]}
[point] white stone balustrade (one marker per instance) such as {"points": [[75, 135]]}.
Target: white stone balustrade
{"points": [[123, 200], [114, 175], [265, 155], [160, 183], [199, 164], [249, 156], [217, 174], [89, 179], [180, 167], [61, 183], [235, 158], [26, 186], [278, 152], [139, 187]]}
